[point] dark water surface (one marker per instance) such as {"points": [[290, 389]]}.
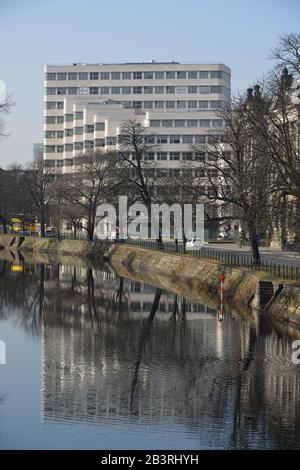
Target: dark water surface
{"points": [[95, 361]]}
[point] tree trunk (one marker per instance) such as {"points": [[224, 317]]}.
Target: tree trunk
{"points": [[175, 308], [42, 224], [155, 304], [3, 220], [91, 299], [90, 231], [183, 309], [183, 232], [254, 243], [119, 295], [183, 240], [117, 226]]}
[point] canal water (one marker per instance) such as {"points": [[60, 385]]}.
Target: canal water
{"points": [[95, 361]]}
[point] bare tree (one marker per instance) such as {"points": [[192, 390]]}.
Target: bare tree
{"points": [[236, 174], [4, 199], [176, 189], [37, 181], [287, 52], [5, 107], [14, 199], [280, 133], [280, 130], [71, 213], [135, 160], [92, 183]]}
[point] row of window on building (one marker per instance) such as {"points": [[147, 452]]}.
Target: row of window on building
{"points": [[138, 306], [160, 156], [146, 75], [139, 90], [157, 156], [149, 172], [78, 116], [186, 122], [159, 139], [88, 129], [191, 104], [111, 141]]}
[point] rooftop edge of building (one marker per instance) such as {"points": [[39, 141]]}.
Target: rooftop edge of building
{"points": [[129, 64]]}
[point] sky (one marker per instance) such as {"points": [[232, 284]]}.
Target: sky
{"points": [[239, 33]]}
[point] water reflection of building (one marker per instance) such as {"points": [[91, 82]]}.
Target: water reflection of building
{"points": [[124, 366], [137, 296], [233, 384], [172, 372], [227, 381], [269, 400]]}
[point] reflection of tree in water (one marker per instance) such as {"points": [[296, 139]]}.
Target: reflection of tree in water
{"points": [[3, 265], [119, 296], [141, 345], [268, 392], [36, 309], [131, 341], [92, 309], [18, 293], [231, 382], [172, 371], [245, 364], [178, 314]]}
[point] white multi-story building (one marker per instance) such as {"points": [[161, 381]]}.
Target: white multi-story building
{"points": [[86, 105]]}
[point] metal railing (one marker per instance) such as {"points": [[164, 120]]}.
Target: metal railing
{"points": [[282, 271], [64, 235]]}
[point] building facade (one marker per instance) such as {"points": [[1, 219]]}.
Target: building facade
{"points": [[86, 105]]}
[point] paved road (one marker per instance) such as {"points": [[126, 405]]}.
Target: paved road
{"points": [[268, 254]]}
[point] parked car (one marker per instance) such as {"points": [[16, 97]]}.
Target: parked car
{"points": [[49, 232], [194, 244], [222, 236], [228, 235]]}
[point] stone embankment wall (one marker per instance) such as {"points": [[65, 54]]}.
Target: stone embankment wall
{"points": [[83, 248], [171, 270]]}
